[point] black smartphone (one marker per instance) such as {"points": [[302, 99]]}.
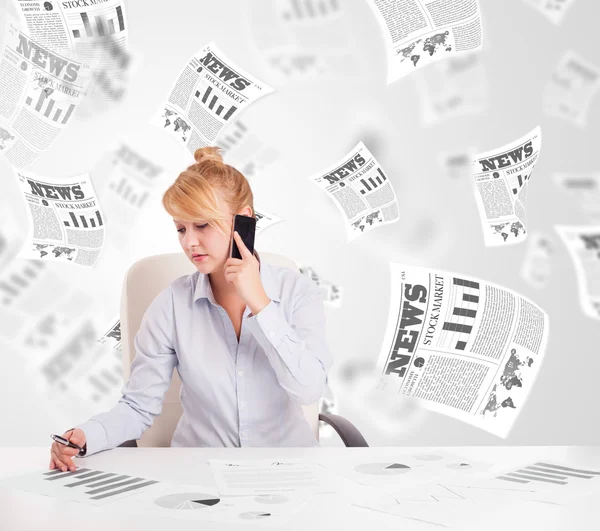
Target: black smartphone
{"points": [[246, 228]]}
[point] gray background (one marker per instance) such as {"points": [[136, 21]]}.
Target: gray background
{"points": [[313, 124]]}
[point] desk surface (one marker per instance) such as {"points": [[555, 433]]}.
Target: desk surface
{"points": [[22, 510]]}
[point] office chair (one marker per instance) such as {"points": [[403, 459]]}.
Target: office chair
{"points": [[143, 282]]}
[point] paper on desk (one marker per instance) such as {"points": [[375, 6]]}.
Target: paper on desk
{"points": [[203, 503], [85, 485], [270, 476], [408, 469]]}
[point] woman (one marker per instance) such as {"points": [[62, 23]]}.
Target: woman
{"points": [[247, 338]]}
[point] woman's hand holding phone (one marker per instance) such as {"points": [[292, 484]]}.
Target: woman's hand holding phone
{"points": [[245, 276]]}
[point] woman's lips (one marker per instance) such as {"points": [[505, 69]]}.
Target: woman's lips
{"points": [[199, 257]]}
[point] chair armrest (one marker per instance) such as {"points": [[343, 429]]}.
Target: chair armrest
{"points": [[127, 444], [347, 431]]}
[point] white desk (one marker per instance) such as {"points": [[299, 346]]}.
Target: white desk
{"points": [[25, 511]]}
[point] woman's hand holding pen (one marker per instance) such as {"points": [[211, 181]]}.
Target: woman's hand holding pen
{"points": [[61, 455], [245, 275]]}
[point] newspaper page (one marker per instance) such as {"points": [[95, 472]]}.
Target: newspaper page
{"points": [[420, 32], [98, 382], [500, 182], [39, 92], [92, 31], [464, 347], [128, 186], [26, 286], [570, 91], [302, 39], [75, 25], [583, 244], [210, 91], [332, 293], [66, 221], [585, 189], [457, 164], [457, 86], [264, 219], [361, 192], [244, 150], [537, 265], [554, 10]]}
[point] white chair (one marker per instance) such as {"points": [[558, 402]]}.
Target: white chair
{"points": [[143, 282]]}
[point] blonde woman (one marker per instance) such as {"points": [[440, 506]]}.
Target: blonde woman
{"points": [[247, 338]]}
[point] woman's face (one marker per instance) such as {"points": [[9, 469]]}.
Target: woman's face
{"points": [[205, 246]]}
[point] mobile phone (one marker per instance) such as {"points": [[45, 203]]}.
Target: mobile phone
{"points": [[246, 228]]}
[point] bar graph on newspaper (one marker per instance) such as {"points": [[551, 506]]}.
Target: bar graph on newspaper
{"points": [[460, 317], [49, 107], [99, 26]]}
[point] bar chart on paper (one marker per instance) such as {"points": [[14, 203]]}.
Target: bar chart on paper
{"points": [[551, 474], [84, 485], [460, 318], [15, 282], [210, 100], [369, 184], [50, 108], [295, 10], [128, 191], [110, 22], [83, 222]]}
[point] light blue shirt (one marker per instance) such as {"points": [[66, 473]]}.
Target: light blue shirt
{"points": [[246, 394]]}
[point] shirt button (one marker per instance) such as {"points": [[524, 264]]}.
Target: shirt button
{"points": [[242, 403], [272, 334], [240, 373]]}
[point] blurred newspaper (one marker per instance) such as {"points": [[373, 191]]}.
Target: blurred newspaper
{"points": [[570, 91], [361, 191], [500, 182], [66, 222], [41, 90], [244, 150], [554, 10], [537, 266], [89, 31], [585, 189], [419, 32], [264, 219], [209, 92], [456, 86], [465, 347], [583, 244], [302, 39], [74, 25], [332, 293]]}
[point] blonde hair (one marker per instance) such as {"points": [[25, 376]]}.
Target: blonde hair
{"points": [[199, 190]]}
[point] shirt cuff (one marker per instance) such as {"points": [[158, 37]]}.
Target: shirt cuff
{"points": [[95, 436]]}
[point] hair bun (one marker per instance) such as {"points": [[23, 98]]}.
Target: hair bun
{"points": [[208, 153]]}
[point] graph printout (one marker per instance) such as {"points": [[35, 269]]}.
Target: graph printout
{"points": [[41, 89], [465, 347], [85, 485], [66, 222]]}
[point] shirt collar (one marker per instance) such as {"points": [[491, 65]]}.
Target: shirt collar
{"points": [[204, 290]]}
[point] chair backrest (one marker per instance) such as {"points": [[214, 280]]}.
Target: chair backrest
{"points": [[143, 282]]}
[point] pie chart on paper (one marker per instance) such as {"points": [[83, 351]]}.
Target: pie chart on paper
{"points": [[382, 469], [187, 501]]}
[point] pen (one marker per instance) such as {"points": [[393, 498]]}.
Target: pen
{"points": [[64, 441]]}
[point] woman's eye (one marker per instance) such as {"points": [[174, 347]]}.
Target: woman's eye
{"points": [[202, 226], [180, 230]]}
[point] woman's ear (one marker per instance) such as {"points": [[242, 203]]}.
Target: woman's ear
{"points": [[246, 211]]}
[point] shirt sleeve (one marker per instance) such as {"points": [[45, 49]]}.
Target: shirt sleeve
{"points": [[298, 352], [150, 377]]}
